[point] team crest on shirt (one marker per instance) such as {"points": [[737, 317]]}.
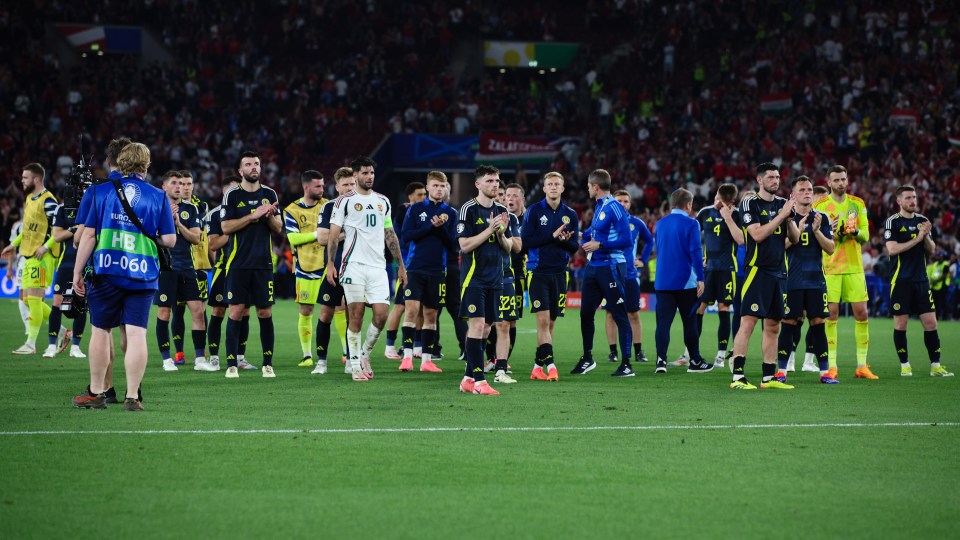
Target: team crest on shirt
{"points": [[787, 311], [303, 295], [326, 298], [56, 287], [264, 201], [896, 307], [754, 307], [219, 298], [358, 207], [163, 298], [229, 296], [379, 207], [565, 220], [632, 227], [603, 215], [472, 308], [536, 303], [408, 292], [184, 215]]}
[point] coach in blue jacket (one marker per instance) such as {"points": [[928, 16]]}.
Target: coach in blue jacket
{"points": [[679, 280]]}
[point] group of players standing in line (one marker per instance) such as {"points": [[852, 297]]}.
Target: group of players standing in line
{"points": [[480, 261]]}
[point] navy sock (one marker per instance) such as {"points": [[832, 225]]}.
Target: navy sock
{"points": [[418, 339], [769, 371], [474, 357], [213, 335], [244, 335], [199, 342], [513, 340], [900, 344], [817, 337], [79, 325], [391, 338], [491, 344], [163, 338], [931, 338], [723, 332], [323, 339], [54, 329], [266, 339], [699, 324], [177, 326], [408, 333], [430, 341], [738, 363], [785, 343], [232, 341]]}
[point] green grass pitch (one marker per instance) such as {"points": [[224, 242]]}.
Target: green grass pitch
{"points": [[346, 459]]}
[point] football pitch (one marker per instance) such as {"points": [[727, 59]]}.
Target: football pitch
{"points": [[407, 456]]}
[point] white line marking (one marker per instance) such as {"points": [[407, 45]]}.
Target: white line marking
{"points": [[455, 429]]}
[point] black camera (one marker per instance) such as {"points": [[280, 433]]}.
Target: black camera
{"points": [[77, 183], [73, 305]]}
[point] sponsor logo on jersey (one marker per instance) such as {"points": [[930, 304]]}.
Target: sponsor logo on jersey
{"points": [[543, 219]]}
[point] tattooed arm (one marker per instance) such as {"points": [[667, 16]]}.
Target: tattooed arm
{"points": [[393, 244], [333, 243]]}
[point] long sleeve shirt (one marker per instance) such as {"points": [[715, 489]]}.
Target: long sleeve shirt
{"points": [[610, 227], [679, 252], [546, 254]]}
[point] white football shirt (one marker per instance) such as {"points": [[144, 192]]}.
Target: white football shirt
{"points": [[363, 219]]}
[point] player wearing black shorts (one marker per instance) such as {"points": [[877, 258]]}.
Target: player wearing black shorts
{"points": [[766, 218], [720, 228], [180, 283], [416, 193], [909, 241], [428, 232], [200, 252], [550, 234], [63, 228], [249, 214], [483, 234], [515, 204], [499, 343], [806, 285], [450, 300], [330, 297]]}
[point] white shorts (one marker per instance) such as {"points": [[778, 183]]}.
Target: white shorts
{"points": [[18, 277], [363, 283]]}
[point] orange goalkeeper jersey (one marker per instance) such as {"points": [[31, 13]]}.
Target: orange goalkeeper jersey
{"points": [[848, 256]]}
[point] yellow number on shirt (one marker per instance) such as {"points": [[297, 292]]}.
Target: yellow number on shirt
{"points": [[716, 229], [805, 238]]}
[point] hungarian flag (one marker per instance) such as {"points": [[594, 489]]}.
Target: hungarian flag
{"points": [[955, 141], [511, 149], [904, 117], [776, 103]]}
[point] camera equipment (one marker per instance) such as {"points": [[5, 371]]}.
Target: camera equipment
{"points": [[77, 183], [73, 306]]}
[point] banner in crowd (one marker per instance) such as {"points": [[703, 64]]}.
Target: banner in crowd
{"points": [[500, 148], [528, 54], [904, 117], [111, 39], [776, 103]]}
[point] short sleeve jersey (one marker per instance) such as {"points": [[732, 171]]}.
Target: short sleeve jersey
{"points": [[213, 229], [65, 219], [769, 255], [182, 251], [251, 247], [310, 258], [482, 267], [805, 258], [719, 247], [910, 265], [323, 222], [363, 219], [847, 258]]}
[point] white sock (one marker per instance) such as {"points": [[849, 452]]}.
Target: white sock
{"points": [[418, 351], [809, 358], [424, 358], [408, 353], [373, 334], [934, 365], [792, 357], [24, 315], [721, 354], [353, 343], [824, 372], [33, 343], [686, 352]]}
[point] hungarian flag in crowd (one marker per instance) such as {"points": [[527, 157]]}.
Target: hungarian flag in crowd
{"points": [[776, 103], [904, 117], [955, 141]]}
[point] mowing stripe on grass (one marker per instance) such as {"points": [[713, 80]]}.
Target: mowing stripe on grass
{"points": [[456, 429]]}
